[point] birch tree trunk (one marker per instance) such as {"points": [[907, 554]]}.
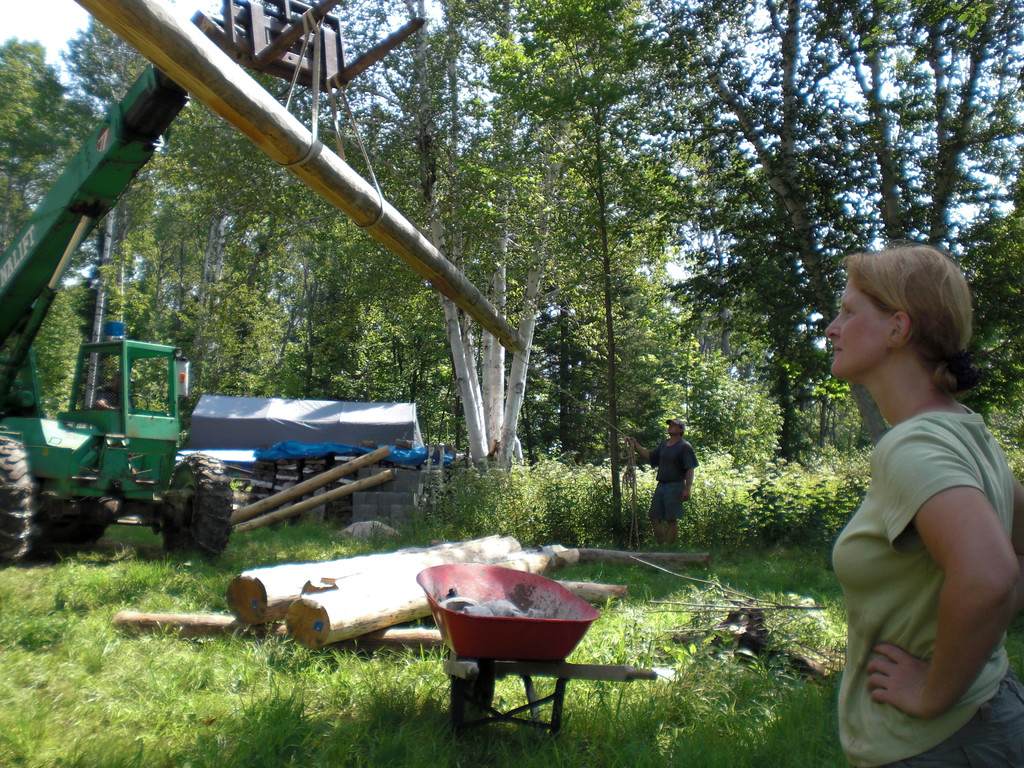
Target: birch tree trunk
{"points": [[460, 339], [490, 403], [527, 324], [494, 358], [213, 270]]}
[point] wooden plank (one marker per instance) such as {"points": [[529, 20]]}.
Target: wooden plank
{"points": [[469, 669]]}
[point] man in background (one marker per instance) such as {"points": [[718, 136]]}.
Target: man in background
{"points": [[675, 461]]}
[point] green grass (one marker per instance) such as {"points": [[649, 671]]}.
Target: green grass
{"points": [[78, 692]]}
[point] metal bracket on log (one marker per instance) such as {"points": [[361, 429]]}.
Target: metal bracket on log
{"points": [[269, 37]]}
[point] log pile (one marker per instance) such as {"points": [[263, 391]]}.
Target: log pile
{"points": [[272, 476], [314, 492], [342, 600], [382, 597], [327, 486], [362, 599], [264, 594]]}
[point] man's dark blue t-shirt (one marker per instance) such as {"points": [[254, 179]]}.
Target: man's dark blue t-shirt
{"points": [[672, 461]]}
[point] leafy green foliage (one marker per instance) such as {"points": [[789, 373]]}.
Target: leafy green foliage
{"points": [[726, 412], [603, 142], [548, 502], [778, 504], [39, 128]]}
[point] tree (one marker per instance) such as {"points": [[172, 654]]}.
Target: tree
{"points": [[38, 128], [838, 124]]}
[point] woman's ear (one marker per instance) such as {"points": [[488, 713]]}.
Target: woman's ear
{"points": [[901, 327]]}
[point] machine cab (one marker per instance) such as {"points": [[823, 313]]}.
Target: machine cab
{"points": [[128, 387]]}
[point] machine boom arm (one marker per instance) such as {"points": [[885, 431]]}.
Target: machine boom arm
{"points": [[89, 186]]}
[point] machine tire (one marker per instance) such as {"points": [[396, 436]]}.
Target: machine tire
{"points": [[17, 502], [196, 514]]}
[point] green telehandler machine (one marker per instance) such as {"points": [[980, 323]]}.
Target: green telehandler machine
{"points": [[110, 458]]}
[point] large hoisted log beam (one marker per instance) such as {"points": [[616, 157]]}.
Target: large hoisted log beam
{"points": [[209, 75]]}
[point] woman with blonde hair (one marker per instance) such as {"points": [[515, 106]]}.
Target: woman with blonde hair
{"points": [[930, 563]]}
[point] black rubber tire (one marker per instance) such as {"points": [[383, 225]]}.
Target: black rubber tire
{"points": [[17, 502], [196, 515]]}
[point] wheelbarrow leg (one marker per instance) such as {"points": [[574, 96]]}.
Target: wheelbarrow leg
{"points": [[556, 704], [531, 697], [458, 703], [555, 698], [477, 690]]}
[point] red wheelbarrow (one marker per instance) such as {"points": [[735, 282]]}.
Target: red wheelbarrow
{"points": [[499, 621]]}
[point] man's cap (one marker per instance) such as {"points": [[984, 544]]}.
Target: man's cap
{"points": [[678, 422]]}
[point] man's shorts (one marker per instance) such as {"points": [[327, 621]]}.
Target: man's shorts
{"points": [[667, 503]]}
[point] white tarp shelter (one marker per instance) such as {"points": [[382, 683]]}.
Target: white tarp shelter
{"points": [[227, 422]]}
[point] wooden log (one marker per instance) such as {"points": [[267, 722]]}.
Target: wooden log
{"points": [[379, 598], [210, 76], [308, 486], [409, 637], [595, 592], [188, 625], [301, 506], [264, 594], [661, 558]]}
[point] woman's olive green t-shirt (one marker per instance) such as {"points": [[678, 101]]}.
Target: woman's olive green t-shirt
{"points": [[892, 585]]}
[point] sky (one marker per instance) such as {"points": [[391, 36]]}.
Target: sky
{"points": [[62, 20]]}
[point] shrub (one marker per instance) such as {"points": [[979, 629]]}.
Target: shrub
{"points": [[785, 504]]}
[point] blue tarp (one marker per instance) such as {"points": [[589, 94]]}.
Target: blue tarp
{"points": [[292, 449]]}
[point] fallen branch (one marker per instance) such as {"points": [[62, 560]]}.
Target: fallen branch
{"points": [[751, 602], [188, 625], [620, 556], [191, 624], [595, 592]]}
